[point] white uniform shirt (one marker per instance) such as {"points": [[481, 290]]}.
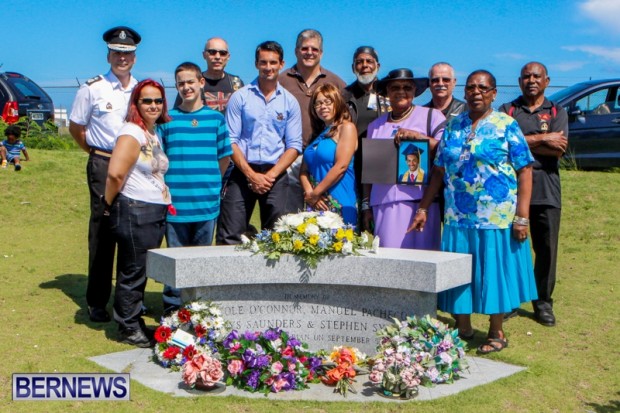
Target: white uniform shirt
{"points": [[101, 105]]}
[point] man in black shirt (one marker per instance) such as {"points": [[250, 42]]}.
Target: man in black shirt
{"points": [[545, 127]]}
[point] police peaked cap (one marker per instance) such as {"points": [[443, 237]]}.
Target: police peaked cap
{"points": [[122, 39]]}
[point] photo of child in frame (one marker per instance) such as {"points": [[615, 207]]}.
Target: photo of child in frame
{"points": [[413, 163]]}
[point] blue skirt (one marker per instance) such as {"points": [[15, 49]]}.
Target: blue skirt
{"points": [[502, 272]]}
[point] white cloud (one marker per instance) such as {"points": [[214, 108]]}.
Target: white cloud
{"points": [[605, 12], [611, 54], [567, 66]]}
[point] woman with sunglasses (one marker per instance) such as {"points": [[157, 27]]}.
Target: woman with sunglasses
{"points": [[327, 177], [386, 206], [136, 201], [486, 166]]}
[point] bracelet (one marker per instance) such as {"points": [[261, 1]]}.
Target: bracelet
{"points": [[521, 221], [365, 205], [421, 211]]}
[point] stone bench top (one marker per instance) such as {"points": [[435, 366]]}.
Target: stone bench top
{"points": [[392, 268]]}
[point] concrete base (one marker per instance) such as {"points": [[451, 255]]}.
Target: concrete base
{"points": [[139, 365]]}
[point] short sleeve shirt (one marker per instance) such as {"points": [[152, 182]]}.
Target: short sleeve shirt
{"points": [[481, 170], [101, 105], [145, 180]]}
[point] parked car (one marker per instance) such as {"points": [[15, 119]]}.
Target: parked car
{"points": [[20, 96], [593, 109]]}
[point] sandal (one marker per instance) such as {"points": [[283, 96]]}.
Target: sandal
{"points": [[495, 345]]}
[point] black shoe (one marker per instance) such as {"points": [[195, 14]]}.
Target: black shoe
{"points": [[511, 314], [135, 337], [545, 317], [98, 315]]}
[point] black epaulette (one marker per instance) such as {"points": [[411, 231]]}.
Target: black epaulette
{"points": [[94, 80]]}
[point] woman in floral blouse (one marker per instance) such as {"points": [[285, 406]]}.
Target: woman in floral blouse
{"points": [[485, 163]]}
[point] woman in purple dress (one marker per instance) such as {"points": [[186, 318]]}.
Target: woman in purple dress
{"points": [[387, 207], [327, 176]]}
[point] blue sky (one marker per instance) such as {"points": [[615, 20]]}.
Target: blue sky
{"points": [[55, 42]]}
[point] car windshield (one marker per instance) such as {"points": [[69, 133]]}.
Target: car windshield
{"points": [[27, 89], [559, 96]]}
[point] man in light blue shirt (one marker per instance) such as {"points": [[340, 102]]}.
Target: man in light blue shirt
{"points": [[264, 122]]}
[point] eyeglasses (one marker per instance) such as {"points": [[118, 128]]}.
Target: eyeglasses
{"points": [[483, 89], [326, 102], [362, 61], [444, 79], [149, 101], [311, 49], [213, 52]]}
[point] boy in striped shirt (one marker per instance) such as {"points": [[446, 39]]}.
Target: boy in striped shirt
{"points": [[198, 147]]}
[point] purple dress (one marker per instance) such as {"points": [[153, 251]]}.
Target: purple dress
{"points": [[394, 206]]}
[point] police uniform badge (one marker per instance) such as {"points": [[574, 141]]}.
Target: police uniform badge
{"points": [[108, 106], [194, 123], [122, 35]]}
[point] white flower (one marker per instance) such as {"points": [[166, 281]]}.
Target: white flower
{"points": [[208, 323], [311, 229], [218, 322], [330, 220], [195, 318], [293, 220], [347, 248], [244, 240], [364, 237], [254, 247], [215, 311], [375, 245]]}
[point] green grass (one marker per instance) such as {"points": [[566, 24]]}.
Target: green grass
{"points": [[573, 367]]}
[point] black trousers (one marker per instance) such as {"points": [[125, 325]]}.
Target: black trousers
{"points": [[545, 230], [137, 226], [238, 204], [101, 244]]}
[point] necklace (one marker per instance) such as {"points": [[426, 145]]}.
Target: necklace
{"points": [[404, 116]]}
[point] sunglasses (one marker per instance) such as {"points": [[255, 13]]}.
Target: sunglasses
{"points": [[483, 89], [213, 52], [149, 101], [444, 79]]}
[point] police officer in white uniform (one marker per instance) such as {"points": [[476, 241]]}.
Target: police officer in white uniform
{"points": [[98, 113]]}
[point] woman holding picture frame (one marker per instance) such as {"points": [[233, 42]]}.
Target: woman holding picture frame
{"points": [[386, 206]]}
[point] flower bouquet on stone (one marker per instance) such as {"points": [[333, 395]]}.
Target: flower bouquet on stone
{"points": [[310, 235], [271, 361], [417, 351], [202, 371], [195, 329], [341, 367]]}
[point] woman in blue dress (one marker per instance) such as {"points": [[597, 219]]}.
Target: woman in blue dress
{"points": [[327, 176], [486, 165]]}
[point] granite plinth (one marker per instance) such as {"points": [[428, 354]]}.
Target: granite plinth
{"points": [[344, 301]]}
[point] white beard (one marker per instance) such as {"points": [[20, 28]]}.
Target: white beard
{"points": [[366, 79]]}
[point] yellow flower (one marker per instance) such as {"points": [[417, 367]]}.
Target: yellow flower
{"points": [[301, 228], [298, 244], [339, 234], [275, 237], [349, 234], [314, 239], [312, 220], [337, 246]]}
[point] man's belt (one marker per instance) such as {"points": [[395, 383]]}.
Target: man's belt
{"points": [[262, 168], [101, 153]]}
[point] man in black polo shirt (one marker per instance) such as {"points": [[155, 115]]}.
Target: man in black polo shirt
{"points": [[545, 127]]}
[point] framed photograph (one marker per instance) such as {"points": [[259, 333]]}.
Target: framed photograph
{"points": [[413, 163]]}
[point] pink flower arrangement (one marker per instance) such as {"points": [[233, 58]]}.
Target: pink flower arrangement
{"points": [[207, 369]]}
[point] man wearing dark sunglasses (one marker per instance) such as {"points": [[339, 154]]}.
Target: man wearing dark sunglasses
{"points": [[301, 80], [98, 113], [219, 85], [442, 81]]}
